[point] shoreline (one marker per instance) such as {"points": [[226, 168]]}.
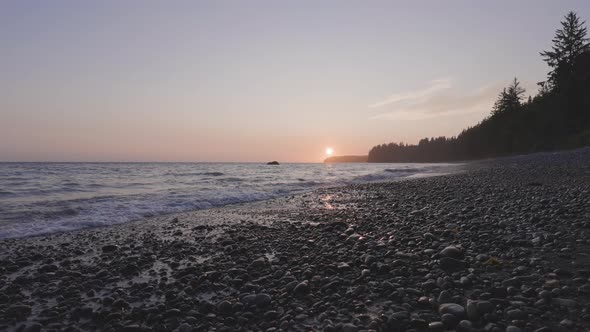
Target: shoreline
{"points": [[444, 169], [502, 246]]}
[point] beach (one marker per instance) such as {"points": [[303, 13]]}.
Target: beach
{"points": [[501, 246]]}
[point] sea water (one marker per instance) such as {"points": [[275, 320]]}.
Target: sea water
{"points": [[40, 198]]}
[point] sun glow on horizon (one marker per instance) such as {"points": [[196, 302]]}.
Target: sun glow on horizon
{"points": [[329, 151]]}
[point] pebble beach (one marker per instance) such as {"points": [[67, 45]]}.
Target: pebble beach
{"points": [[503, 245]]}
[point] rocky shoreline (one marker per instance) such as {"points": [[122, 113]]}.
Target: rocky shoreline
{"points": [[504, 246]]}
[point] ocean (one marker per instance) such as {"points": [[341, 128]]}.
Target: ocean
{"points": [[41, 198]]}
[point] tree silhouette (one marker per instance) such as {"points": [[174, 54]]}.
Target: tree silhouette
{"points": [[509, 99], [569, 42], [557, 117]]}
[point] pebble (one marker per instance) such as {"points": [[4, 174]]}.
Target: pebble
{"points": [[453, 309], [506, 261], [451, 264], [451, 251]]}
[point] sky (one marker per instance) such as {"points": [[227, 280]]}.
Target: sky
{"points": [[256, 80]]}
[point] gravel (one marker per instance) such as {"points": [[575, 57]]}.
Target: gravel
{"points": [[501, 246]]}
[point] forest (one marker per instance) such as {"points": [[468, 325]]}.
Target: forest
{"points": [[557, 117]]}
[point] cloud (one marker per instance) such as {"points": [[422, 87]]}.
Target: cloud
{"points": [[435, 86], [438, 99]]}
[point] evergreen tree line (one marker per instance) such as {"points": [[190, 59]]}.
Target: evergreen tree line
{"points": [[557, 117]]}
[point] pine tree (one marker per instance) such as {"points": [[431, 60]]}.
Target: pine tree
{"points": [[509, 99], [569, 42]]}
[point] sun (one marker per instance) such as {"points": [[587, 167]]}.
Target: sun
{"points": [[329, 151]]}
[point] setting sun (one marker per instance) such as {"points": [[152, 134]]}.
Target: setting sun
{"points": [[329, 151]]}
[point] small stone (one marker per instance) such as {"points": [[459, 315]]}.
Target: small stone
{"points": [[451, 251], [48, 268], [516, 314], [249, 299], [436, 326], [262, 299], [19, 311], [472, 312], [512, 328], [424, 300], [567, 323], [485, 307], [131, 328], [35, 327], [349, 328], [544, 294], [184, 327], [120, 303], [401, 315], [343, 266], [482, 257], [271, 315], [565, 302], [365, 272], [451, 264], [449, 320], [302, 287], [464, 326], [225, 307], [553, 283], [109, 248], [258, 263], [453, 309], [172, 313], [444, 297]]}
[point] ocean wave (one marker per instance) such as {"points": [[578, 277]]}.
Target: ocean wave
{"points": [[197, 174], [111, 198], [403, 170]]}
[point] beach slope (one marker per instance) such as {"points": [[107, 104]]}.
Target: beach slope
{"points": [[503, 246]]}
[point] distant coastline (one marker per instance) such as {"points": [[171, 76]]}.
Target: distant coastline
{"points": [[347, 159]]}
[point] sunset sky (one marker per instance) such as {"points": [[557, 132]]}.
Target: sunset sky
{"points": [[256, 80]]}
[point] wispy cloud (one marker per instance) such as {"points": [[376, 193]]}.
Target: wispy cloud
{"points": [[417, 95], [439, 98]]}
